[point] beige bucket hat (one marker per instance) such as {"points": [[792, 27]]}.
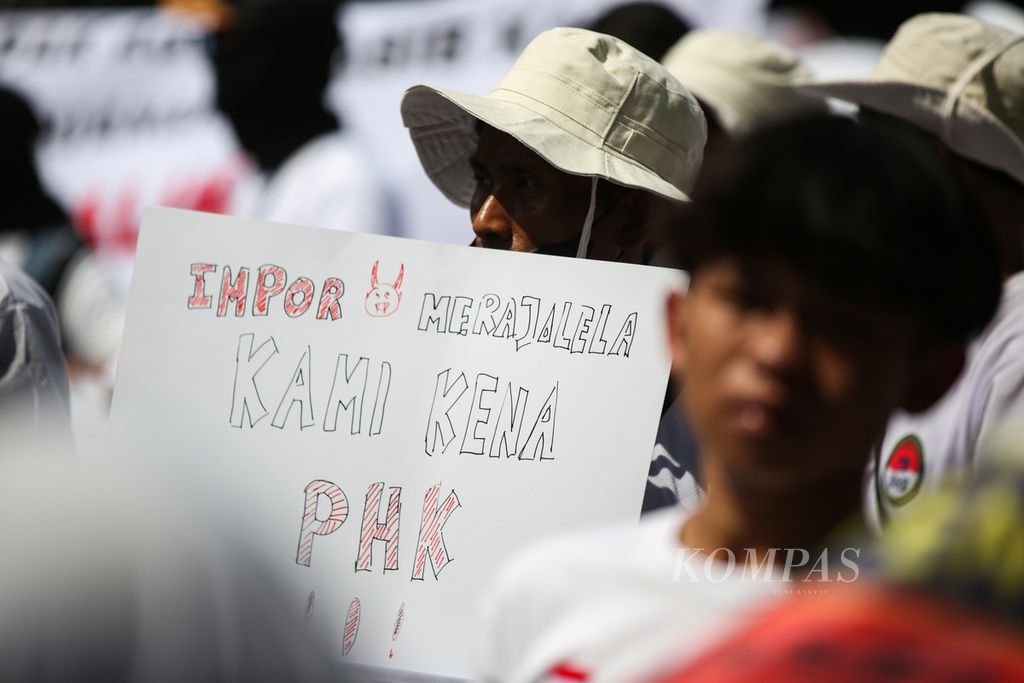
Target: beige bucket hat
{"points": [[587, 103], [746, 81], [956, 77]]}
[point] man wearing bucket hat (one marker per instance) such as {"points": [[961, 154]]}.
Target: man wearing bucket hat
{"points": [[575, 152], [959, 80]]}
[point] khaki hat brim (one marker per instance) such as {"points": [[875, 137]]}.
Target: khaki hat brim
{"points": [[975, 134], [442, 125]]}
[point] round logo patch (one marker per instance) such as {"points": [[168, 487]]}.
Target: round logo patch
{"points": [[904, 471]]}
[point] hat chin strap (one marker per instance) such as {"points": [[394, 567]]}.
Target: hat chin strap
{"points": [[968, 75], [588, 223]]}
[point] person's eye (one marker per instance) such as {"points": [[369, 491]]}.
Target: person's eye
{"points": [[526, 183], [848, 327], [480, 176]]}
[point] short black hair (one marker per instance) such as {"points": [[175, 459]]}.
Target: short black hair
{"points": [[845, 18], [869, 214], [19, 127], [650, 27], [274, 55]]}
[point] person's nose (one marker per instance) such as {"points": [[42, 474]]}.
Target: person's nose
{"points": [[492, 224], [779, 344]]}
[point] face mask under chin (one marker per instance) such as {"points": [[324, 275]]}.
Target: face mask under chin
{"points": [[566, 248], [570, 248]]}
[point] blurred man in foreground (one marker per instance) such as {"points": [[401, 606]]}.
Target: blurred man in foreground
{"points": [[810, 317]]}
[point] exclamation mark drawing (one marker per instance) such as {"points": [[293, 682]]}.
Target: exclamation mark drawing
{"points": [[309, 606], [351, 627], [399, 620]]}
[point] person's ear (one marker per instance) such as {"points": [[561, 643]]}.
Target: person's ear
{"points": [[675, 317], [933, 374]]}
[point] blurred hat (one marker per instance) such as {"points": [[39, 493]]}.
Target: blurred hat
{"points": [[587, 103], [746, 81], [956, 77]]}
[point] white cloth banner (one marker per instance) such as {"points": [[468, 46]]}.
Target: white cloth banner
{"points": [[390, 419], [126, 100], [127, 96]]}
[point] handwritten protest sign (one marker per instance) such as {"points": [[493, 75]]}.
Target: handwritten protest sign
{"points": [[399, 416]]}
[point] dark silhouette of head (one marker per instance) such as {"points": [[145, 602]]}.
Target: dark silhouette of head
{"points": [[846, 19], [272, 61], [24, 202], [650, 27]]}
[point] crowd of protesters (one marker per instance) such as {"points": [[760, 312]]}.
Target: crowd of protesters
{"points": [[847, 358]]}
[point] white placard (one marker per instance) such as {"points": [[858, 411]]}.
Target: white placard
{"points": [[471, 401]]}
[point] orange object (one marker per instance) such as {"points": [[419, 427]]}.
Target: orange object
{"points": [[863, 634], [215, 14]]}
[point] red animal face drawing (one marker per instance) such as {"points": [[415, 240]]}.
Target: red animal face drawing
{"points": [[383, 298]]}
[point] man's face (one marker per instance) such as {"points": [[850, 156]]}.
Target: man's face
{"points": [[784, 383], [523, 203]]}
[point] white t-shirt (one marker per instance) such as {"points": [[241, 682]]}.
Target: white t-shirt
{"points": [[603, 606], [326, 183], [920, 451]]}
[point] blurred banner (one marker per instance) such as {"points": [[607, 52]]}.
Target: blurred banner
{"points": [[126, 98]]}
